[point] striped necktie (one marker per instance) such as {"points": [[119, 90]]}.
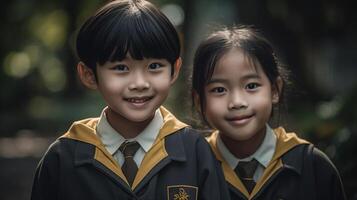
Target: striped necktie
{"points": [[129, 166], [245, 171]]}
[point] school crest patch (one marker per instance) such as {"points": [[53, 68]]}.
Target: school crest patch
{"points": [[182, 192]]}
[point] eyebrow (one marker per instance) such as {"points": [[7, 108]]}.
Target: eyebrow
{"points": [[222, 80], [216, 80], [251, 76]]}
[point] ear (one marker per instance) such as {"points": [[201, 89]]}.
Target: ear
{"points": [[177, 67], [87, 76], [196, 101], [277, 89]]}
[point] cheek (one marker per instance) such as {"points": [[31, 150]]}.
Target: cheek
{"points": [[214, 106], [213, 112], [161, 83], [112, 84], [262, 105]]}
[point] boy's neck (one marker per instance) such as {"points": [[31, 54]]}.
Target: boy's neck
{"points": [[246, 148], [128, 129]]}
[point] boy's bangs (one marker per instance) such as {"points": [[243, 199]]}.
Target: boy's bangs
{"points": [[141, 39]]}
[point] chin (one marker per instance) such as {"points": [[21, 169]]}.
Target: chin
{"points": [[240, 137], [140, 118], [236, 138]]}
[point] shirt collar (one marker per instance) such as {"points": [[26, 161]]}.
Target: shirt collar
{"points": [[147, 137], [266, 150], [263, 154], [112, 139], [226, 154]]}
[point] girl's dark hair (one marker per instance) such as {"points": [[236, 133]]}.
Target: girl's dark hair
{"points": [[127, 26], [250, 41]]}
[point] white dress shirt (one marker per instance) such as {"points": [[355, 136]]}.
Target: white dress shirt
{"points": [[112, 139], [263, 154]]}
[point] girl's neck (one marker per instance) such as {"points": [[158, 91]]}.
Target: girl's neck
{"points": [[126, 128], [243, 149]]}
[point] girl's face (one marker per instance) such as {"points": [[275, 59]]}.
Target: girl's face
{"points": [[239, 97]]}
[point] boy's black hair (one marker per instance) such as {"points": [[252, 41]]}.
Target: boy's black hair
{"points": [[127, 26], [253, 44]]}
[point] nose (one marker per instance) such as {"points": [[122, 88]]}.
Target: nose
{"points": [[139, 82], [237, 101]]}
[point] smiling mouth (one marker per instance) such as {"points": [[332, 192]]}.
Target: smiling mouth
{"points": [[138, 100], [237, 118], [240, 120]]}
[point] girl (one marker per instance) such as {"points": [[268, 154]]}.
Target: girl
{"points": [[236, 83]]}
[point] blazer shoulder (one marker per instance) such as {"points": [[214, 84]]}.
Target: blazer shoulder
{"points": [[323, 163]]}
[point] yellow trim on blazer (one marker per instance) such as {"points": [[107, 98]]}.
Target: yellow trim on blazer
{"points": [[84, 131], [158, 152], [229, 174], [285, 142]]}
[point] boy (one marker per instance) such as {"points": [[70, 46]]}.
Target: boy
{"points": [[136, 149]]}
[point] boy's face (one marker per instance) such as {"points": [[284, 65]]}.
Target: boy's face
{"points": [[134, 89], [239, 97]]}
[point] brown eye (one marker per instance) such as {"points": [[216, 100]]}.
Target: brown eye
{"points": [[218, 90], [120, 68], [154, 66], [252, 86]]}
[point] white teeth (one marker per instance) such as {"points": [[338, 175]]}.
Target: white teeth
{"points": [[134, 100]]}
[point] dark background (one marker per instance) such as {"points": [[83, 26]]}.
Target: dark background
{"points": [[41, 95]]}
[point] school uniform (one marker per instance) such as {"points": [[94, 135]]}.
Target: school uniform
{"points": [[81, 165], [289, 168], [112, 140]]}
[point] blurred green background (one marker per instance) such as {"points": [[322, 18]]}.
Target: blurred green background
{"points": [[41, 95]]}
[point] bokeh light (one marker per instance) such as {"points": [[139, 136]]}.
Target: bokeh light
{"points": [[17, 64]]}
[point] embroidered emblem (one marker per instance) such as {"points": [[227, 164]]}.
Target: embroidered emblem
{"points": [[182, 192], [182, 195]]}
